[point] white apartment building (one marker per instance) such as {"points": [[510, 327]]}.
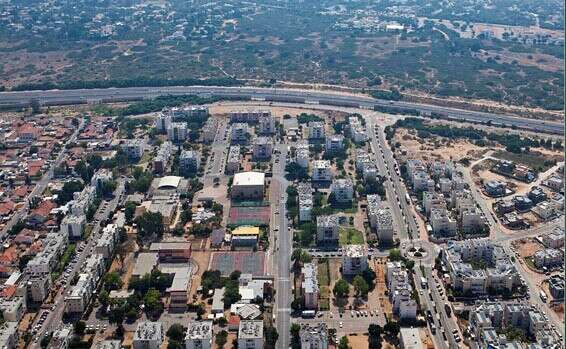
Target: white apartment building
{"points": [[38, 286], [199, 335], [233, 160], [321, 171], [327, 229], [316, 130], [248, 116], [239, 133], [13, 309], [162, 157], [314, 335], [189, 161], [77, 300], [383, 219], [310, 286], [9, 336], [133, 148], [262, 149], [357, 130], [163, 120], [250, 334], [441, 222], [106, 244], [209, 130], [148, 335], [46, 260], [304, 191], [82, 200], [302, 154], [471, 220], [354, 259], [548, 257], [342, 189], [177, 132], [73, 226], [266, 125], [334, 143], [554, 239], [100, 177]]}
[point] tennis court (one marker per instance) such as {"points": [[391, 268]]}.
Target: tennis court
{"points": [[244, 261], [249, 215]]}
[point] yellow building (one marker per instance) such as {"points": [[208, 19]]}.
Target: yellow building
{"points": [[245, 235]]}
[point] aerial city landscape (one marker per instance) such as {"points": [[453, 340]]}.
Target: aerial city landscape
{"points": [[282, 174]]}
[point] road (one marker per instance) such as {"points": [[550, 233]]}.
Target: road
{"points": [[106, 208], [282, 249], [83, 96], [40, 185]]}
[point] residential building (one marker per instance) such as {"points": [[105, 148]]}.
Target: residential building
{"points": [[189, 161], [239, 133], [357, 130], [321, 171], [266, 125], [248, 116], [354, 259], [13, 309], [495, 188], [410, 338], [314, 335], [545, 210], [548, 258], [327, 229], [536, 194], [554, 239], [80, 294], [305, 197], [106, 244], [199, 335], [73, 226], [46, 260], [441, 222], [556, 286], [309, 286], [316, 130], [61, 337], [172, 252], [38, 286], [148, 335], [471, 220], [342, 190], [334, 143], [250, 334], [9, 336], [233, 160], [302, 155], [209, 130], [161, 159], [262, 149], [101, 177], [248, 186], [177, 132], [383, 225], [108, 344], [133, 148], [522, 203]]}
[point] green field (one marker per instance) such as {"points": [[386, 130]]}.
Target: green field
{"points": [[351, 236]]}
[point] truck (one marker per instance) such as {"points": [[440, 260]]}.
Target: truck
{"points": [[407, 198], [543, 296], [448, 309]]}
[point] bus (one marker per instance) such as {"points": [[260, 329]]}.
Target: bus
{"points": [[407, 198], [424, 283], [308, 314]]}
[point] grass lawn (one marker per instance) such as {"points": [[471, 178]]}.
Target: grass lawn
{"points": [[351, 237], [323, 275], [533, 159]]}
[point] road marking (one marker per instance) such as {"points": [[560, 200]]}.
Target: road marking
{"points": [[284, 310]]}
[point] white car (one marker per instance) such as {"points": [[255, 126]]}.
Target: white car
{"points": [[341, 324]]}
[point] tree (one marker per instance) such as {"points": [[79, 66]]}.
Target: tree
{"points": [[395, 255], [104, 298], [221, 338], [150, 224], [176, 332], [152, 301], [341, 288], [296, 172], [116, 315], [271, 336], [129, 211], [295, 336], [112, 281], [360, 286], [299, 257], [374, 337], [80, 327], [69, 188], [344, 344], [392, 328]]}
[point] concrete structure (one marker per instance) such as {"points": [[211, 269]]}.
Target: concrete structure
{"points": [[177, 132], [100, 177], [441, 222], [316, 130], [13, 309], [342, 190], [302, 154], [9, 335], [61, 337], [38, 286], [248, 186], [262, 149], [327, 229], [356, 130], [189, 161], [133, 148], [334, 143], [321, 171], [245, 236], [250, 334], [554, 239], [199, 335], [73, 226], [314, 335], [209, 130], [233, 160], [148, 335], [108, 344], [309, 286], [548, 258], [80, 294], [107, 242], [161, 159], [239, 133], [248, 116], [172, 252], [266, 125], [354, 259], [305, 197], [46, 260]]}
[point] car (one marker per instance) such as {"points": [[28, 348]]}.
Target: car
{"points": [[454, 331], [341, 324], [352, 313]]}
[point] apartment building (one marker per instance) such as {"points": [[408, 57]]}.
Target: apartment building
{"points": [[148, 335], [250, 334], [302, 154], [248, 116], [209, 130], [305, 197], [199, 335], [441, 222], [342, 189], [73, 226], [327, 229], [133, 148], [9, 335], [233, 160], [314, 335], [400, 291], [80, 294], [354, 259], [239, 133], [357, 130], [177, 132], [554, 239], [106, 244], [321, 171], [46, 260], [548, 258], [189, 161], [266, 125], [101, 177], [334, 143], [262, 149], [309, 286], [161, 159], [316, 130]]}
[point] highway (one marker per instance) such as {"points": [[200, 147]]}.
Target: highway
{"points": [[83, 96]]}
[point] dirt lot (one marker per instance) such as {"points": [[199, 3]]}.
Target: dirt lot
{"points": [[201, 259], [377, 298], [435, 148], [527, 247]]}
